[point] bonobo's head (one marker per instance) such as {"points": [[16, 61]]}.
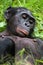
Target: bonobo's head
{"points": [[19, 21]]}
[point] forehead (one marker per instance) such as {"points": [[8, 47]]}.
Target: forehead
{"points": [[21, 9]]}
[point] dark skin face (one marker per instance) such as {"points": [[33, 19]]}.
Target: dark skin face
{"points": [[20, 21]]}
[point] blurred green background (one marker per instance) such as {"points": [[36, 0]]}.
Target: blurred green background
{"points": [[35, 6]]}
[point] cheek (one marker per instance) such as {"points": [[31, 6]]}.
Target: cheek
{"points": [[32, 25]]}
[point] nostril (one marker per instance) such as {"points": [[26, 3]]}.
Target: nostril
{"points": [[26, 24]]}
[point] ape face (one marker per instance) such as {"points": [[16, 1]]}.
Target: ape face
{"points": [[20, 21]]}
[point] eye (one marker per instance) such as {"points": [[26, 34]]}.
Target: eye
{"points": [[31, 21], [24, 16]]}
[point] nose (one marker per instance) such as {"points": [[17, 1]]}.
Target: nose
{"points": [[27, 24]]}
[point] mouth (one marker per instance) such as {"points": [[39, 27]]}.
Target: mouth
{"points": [[21, 31]]}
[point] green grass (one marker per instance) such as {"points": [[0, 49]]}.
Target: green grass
{"points": [[36, 7]]}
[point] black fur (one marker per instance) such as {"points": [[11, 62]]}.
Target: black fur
{"points": [[7, 50]]}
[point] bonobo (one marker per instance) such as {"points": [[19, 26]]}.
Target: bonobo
{"points": [[20, 26], [7, 50], [20, 21]]}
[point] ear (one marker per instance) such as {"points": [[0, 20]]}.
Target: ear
{"points": [[9, 13]]}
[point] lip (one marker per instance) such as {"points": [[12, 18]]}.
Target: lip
{"points": [[22, 31]]}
